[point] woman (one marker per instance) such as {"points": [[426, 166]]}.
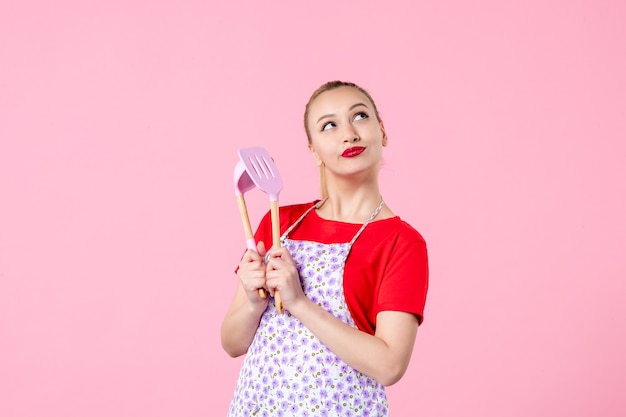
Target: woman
{"points": [[352, 275]]}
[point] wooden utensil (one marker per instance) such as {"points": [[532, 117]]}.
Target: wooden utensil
{"points": [[263, 172]]}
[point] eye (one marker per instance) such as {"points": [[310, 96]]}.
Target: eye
{"points": [[361, 116], [328, 126]]}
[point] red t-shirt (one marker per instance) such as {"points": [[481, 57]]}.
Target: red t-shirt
{"points": [[387, 268]]}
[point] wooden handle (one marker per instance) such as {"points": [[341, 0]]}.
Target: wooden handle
{"points": [[276, 244], [275, 224], [247, 229], [243, 212]]}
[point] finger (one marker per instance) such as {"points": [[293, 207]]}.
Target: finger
{"points": [[261, 248], [252, 280], [272, 286], [255, 288], [276, 252], [274, 264], [252, 256], [249, 256], [281, 256]]}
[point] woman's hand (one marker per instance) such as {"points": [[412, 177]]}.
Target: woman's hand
{"points": [[243, 315], [251, 273], [282, 275]]}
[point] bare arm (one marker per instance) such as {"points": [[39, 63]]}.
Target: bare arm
{"points": [[384, 356], [243, 316]]}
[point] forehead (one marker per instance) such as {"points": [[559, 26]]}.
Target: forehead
{"points": [[336, 100]]}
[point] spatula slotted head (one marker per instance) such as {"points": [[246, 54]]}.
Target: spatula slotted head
{"points": [[262, 170]]}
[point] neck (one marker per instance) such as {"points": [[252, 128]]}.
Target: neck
{"points": [[349, 203]]}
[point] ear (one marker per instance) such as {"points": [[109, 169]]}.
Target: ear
{"points": [[382, 129], [316, 158]]}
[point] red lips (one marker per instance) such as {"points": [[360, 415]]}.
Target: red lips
{"points": [[354, 151]]}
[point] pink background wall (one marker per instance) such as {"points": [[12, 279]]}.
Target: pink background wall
{"points": [[119, 232]]}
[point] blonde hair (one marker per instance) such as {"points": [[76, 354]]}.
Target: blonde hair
{"points": [[331, 85]]}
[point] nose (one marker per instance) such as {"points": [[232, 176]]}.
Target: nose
{"points": [[350, 134]]}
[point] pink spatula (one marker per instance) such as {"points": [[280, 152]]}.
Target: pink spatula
{"points": [[263, 172], [243, 184]]}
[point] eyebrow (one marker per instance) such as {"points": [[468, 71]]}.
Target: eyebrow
{"points": [[333, 114]]}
